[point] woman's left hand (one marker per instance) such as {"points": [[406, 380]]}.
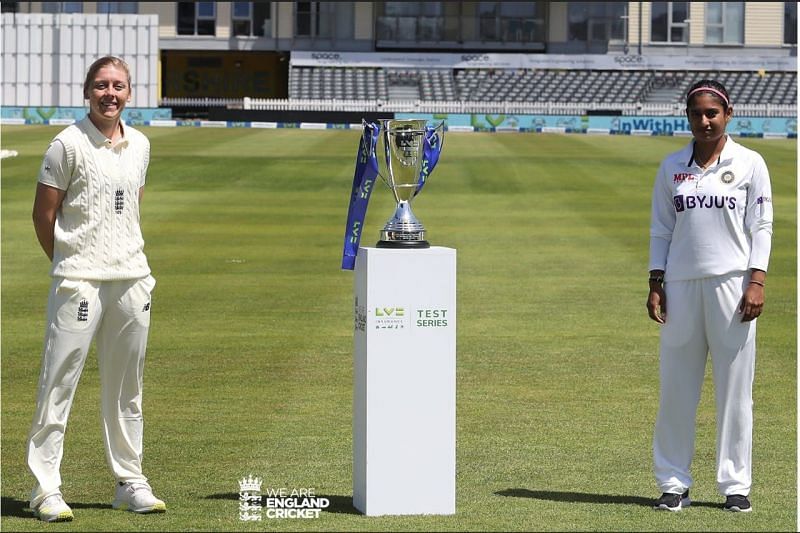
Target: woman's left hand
{"points": [[752, 302]]}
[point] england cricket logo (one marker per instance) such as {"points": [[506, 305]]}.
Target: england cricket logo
{"points": [[83, 311], [119, 201], [294, 503], [250, 499]]}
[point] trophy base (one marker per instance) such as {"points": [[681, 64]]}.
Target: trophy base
{"points": [[405, 245]]}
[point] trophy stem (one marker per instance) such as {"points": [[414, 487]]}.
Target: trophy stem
{"points": [[403, 230]]}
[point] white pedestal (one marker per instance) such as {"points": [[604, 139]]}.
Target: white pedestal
{"points": [[404, 397]]}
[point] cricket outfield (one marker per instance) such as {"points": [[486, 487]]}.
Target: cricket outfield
{"points": [[249, 365]]}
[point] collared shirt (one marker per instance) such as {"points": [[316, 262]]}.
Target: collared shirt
{"points": [[97, 232], [711, 222]]}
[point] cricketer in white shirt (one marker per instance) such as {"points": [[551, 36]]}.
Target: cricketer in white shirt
{"points": [[713, 222], [708, 229], [97, 232], [101, 289]]}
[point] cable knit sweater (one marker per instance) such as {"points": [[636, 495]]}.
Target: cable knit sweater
{"points": [[97, 232]]}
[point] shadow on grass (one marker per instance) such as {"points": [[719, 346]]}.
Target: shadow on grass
{"points": [[338, 504], [19, 508], [583, 497]]}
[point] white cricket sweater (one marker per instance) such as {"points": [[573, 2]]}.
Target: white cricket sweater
{"points": [[713, 222], [97, 231]]}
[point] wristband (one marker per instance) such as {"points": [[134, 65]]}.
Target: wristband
{"points": [[658, 278], [757, 282]]}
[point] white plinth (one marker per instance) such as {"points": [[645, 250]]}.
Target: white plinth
{"points": [[404, 398]]}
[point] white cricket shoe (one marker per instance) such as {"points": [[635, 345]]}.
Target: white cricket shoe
{"points": [[137, 496], [54, 509]]}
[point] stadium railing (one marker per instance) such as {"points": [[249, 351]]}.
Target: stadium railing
{"points": [[466, 107]]}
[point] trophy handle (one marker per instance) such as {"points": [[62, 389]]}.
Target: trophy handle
{"points": [[373, 148], [386, 183], [440, 133], [436, 132]]}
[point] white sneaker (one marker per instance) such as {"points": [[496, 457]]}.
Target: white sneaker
{"points": [[54, 509], [137, 496]]}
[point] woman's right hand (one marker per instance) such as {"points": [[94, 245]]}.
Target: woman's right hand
{"points": [[657, 303]]}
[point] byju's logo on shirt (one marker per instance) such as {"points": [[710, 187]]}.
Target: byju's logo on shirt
{"points": [[682, 203]]}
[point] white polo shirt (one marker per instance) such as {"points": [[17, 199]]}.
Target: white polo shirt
{"points": [[97, 232], [713, 222]]}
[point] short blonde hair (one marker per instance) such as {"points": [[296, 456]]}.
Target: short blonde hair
{"points": [[100, 63]]}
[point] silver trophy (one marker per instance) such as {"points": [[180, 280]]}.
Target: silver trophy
{"points": [[402, 142]]}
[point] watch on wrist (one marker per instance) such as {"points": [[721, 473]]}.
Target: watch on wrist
{"points": [[658, 278]]}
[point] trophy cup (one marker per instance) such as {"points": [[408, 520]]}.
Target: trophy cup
{"points": [[410, 150], [402, 143]]}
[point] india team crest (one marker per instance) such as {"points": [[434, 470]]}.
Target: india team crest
{"points": [[727, 177]]}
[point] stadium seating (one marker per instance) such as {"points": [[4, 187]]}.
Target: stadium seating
{"points": [[533, 86], [339, 83]]}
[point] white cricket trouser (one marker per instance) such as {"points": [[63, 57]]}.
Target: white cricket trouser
{"points": [[118, 313], [703, 316]]}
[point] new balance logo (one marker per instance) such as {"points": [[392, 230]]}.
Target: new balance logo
{"points": [[146, 307], [83, 311], [119, 201]]}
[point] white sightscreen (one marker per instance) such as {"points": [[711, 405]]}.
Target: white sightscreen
{"points": [[45, 56]]}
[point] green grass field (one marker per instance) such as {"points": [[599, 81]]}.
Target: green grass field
{"points": [[249, 366]]}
